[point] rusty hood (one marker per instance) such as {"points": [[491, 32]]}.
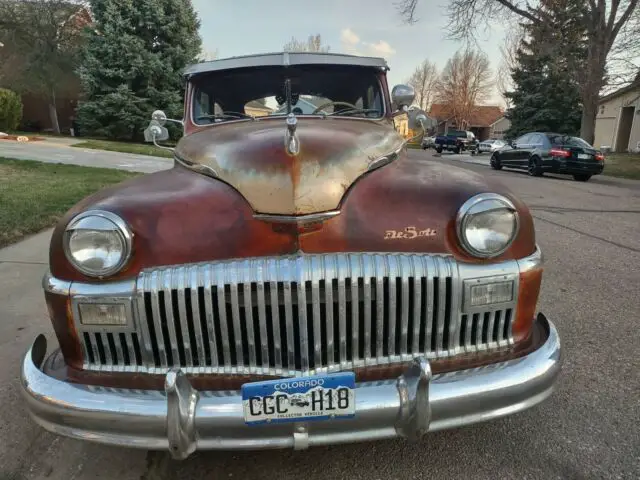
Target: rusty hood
{"points": [[256, 159]]}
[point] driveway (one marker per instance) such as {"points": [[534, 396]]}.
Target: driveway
{"points": [[56, 151], [590, 235]]}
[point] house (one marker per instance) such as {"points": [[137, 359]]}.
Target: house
{"points": [[257, 109], [306, 105], [499, 128], [480, 120], [618, 120]]}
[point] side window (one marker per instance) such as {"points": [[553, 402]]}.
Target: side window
{"points": [[205, 106], [523, 140], [537, 140]]}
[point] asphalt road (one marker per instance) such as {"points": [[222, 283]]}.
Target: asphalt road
{"points": [[589, 428]]}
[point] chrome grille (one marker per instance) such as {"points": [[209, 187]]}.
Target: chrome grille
{"points": [[301, 314]]}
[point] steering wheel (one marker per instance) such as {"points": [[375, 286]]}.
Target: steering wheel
{"points": [[329, 104]]}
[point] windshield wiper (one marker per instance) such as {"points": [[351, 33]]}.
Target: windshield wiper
{"points": [[225, 116], [353, 111]]}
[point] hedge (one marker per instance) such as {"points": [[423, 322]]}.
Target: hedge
{"points": [[10, 110]]}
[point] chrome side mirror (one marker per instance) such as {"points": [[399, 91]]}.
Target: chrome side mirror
{"points": [[402, 96], [161, 117], [155, 133], [418, 120]]}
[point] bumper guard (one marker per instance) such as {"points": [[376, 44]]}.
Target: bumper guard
{"points": [[182, 420]]}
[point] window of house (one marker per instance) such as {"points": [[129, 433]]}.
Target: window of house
{"points": [[601, 109]]}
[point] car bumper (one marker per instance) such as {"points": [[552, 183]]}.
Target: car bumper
{"points": [[182, 420], [574, 167]]}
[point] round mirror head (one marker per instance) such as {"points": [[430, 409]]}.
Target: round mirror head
{"points": [[159, 116], [402, 96]]}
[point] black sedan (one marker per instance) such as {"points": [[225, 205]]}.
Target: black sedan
{"points": [[550, 152]]}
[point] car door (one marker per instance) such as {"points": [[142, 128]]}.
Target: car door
{"points": [[524, 148], [509, 156], [539, 147]]}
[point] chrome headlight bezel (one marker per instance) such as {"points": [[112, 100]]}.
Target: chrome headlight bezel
{"points": [[111, 223], [477, 205]]}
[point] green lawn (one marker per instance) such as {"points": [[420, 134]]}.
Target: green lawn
{"points": [[125, 147], [625, 165], [34, 195]]}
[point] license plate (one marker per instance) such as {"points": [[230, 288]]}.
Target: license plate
{"points": [[584, 156], [322, 397]]}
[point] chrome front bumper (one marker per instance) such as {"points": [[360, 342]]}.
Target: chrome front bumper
{"points": [[182, 420]]}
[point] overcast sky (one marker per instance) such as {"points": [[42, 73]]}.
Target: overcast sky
{"points": [[364, 27]]}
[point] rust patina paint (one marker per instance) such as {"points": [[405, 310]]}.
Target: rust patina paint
{"points": [[403, 194], [59, 308], [178, 216], [251, 156]]}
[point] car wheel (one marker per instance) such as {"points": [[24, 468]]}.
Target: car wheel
{"points": [[582, 177], [495, 162], [535, 169], [439, 149], [457, 150]]}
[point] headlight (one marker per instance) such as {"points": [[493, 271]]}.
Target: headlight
{"points": [[98, 243], [487, 224]]}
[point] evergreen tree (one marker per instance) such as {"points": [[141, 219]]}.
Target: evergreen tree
{"points": [[133, 62], [546, 97]]}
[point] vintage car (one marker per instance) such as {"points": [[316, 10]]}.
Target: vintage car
{"points": [[298, 254]]}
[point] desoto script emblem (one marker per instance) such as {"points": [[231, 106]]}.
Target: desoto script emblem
{"points": [[409, 233]]}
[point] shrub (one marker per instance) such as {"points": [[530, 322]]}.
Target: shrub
{"points": [[10, 110]]}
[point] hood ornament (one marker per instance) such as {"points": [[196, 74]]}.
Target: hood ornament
{"points": [[291, 141]]}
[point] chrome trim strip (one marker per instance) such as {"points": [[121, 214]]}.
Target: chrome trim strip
{"points": [[180, 286], [181, 419], [391, 301], [299, 219], [55, 286], [354, 274], [303, 345], [170, 316], [533, 261], [144, 340]]}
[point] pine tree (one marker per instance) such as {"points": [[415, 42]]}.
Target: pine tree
{"points": [[546, 97], [133, 62]]}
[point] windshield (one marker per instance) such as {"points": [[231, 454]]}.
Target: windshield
{"points": [[278, 91]]}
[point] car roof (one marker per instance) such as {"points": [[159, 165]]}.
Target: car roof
{"points": [[286, 59]]}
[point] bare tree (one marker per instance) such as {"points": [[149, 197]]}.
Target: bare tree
{"points": [[604, 20], [424, 80], [508, 61], [41, 40], [207, 55], [465, 82], [311, 44]]}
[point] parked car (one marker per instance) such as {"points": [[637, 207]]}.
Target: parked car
{"points": [[490, 146], [428, 142], [550, 152], [455, 141], [296, 254]]}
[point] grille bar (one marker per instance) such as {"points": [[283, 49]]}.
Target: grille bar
{"points": [[299, 315]]}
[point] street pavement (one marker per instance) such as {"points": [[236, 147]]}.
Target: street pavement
{"points": [[57, 151], [589, 428]]}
